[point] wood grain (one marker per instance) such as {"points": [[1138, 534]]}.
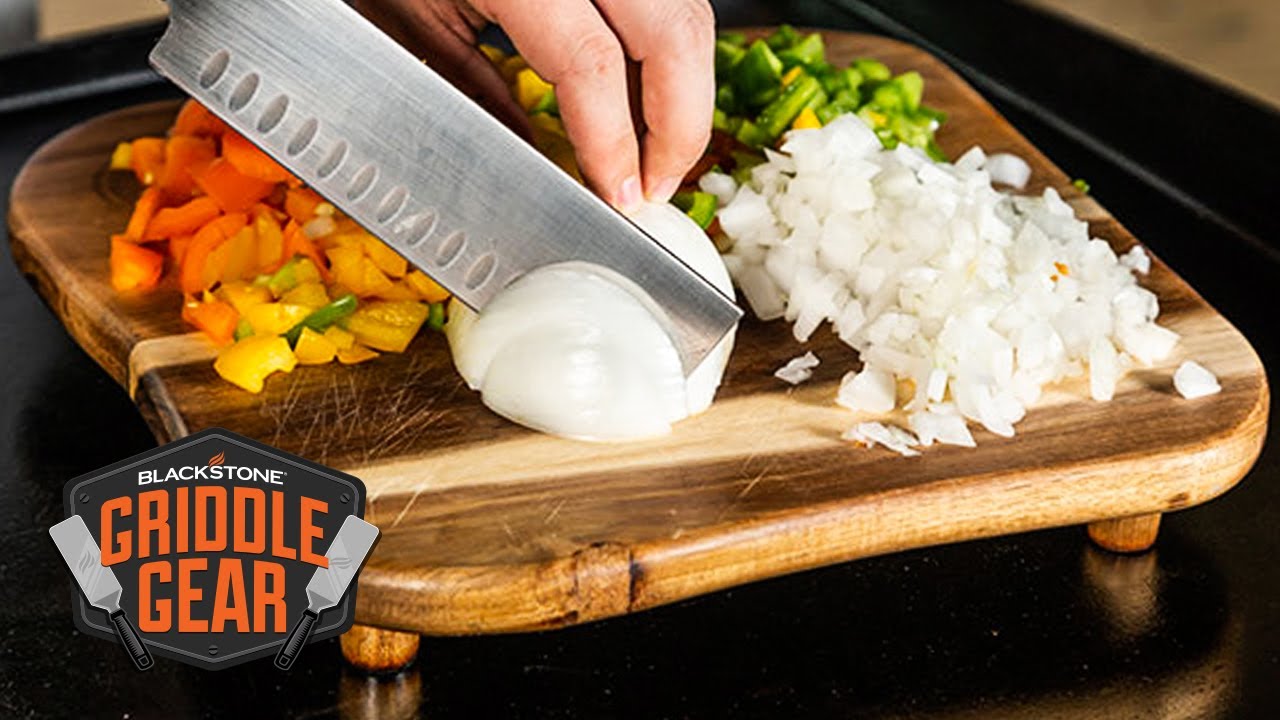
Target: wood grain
{"points": [[492, 528]]}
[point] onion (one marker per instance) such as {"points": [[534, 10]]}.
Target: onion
{"points": [[799, 369], [1192, 380], [1008, 169]]}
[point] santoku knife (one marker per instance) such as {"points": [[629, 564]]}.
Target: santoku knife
{"points": [[347, 552], [415, 161], [99, 584]]}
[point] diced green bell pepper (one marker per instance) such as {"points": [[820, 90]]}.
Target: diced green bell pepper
{"points": [[732, 38], [728, 55], [435, 317], [757, 75], [322, 318], [804, 91], [872, 70], [699, 206], [548, 104], [806, 53], [784, 37]]}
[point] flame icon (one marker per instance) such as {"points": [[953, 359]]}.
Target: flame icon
{"points": [[218, 459]]}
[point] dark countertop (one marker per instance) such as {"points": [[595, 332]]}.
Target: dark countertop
{"points": [[1036, 625]]}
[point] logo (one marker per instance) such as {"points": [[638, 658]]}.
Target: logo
{"points": [[214, 550]]}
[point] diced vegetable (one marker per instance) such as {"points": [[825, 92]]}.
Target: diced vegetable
{"points": [[252, 162], [183, 220], [134, 267], [312, 348], [242, 296], [146, 208], [209, 238], [184, 156], [147, 159], [355, 355], [387, 325], [216, 318], [699, 206], [322, 318], [250, 361], [195, 119], [275, 318], [231, 189]]}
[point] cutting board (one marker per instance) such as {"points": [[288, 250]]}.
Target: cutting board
{"points": [[488, 527]]}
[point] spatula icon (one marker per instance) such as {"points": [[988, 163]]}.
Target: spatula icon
{"points": [[99, 584]]}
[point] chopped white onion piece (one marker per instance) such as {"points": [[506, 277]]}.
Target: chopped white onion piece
{"points": [[1008, 169], [1137, 260], [1192, 380], [799, 369], [890, 436]]}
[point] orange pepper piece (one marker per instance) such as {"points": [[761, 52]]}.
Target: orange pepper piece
{"points": [[296, 242], [216, 318], [196, 120], [232, 190], [184, 220], [183, 157], [146, 208], [134, 267], [251, 161], [301, 204], [147, 160], [210, 237], [178, 249]]}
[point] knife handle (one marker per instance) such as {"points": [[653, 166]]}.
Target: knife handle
{"points": [[138, 652], [296, 639]]}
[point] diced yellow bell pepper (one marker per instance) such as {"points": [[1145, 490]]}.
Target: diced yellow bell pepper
{"points": [[398, 291], [530, 88], [806, 120], [306, 271], [510, 67], [248, 362], [791, 75], [275, 318], [346, 266], [549, 123], [311, 294], [355, 354], [314, 348], [242, 295], [340, 338], [122, 158], [270, 242], [387, 325], [428, 290], [387, 260], [241, 255], [495, 55]]}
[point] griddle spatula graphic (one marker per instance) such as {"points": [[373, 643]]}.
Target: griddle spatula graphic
{"points": [[346, 554], [99, 584]]}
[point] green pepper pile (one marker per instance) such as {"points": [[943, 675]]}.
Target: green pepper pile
{"points": [[765, 86]]}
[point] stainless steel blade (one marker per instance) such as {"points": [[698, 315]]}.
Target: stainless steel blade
{"points": [[414, 160], [84, 557], [346, 554]]}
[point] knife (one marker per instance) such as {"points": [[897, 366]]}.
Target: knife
{"points": [[99, 584], [415, 161], [346, 554]]}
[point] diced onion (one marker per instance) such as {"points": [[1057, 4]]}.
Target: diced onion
{"points": [[799, 369], [1192, 380]]}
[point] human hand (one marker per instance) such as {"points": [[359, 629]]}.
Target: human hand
{"points": [[583, 48]]}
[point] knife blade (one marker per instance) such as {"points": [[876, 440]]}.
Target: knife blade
{"points": [[415, 161], [346, 554], [99, 584]]}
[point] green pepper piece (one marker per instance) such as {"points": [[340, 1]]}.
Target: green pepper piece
{"points": [[751, 135], [912, 87], [757, 76], [809, 52], [935, 151], [1081, 184], [889, 98], [699, 206], [932, 114], [728, 56], [548, 104], [719, 120], [243, 330], [743, 162], [282, 280], [778, 116], [727, 99], [845, 101], [784, 37], [872, 70], [435, 318], [732, 38], [320, 319]]}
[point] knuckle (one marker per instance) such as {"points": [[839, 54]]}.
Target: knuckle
{"points": [[594, 54]]}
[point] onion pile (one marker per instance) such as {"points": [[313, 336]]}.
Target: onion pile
{"points": [[964, 302]]}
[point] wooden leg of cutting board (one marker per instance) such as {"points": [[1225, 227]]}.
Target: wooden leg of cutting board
{"points": [[376, 650], [1126, 535]]}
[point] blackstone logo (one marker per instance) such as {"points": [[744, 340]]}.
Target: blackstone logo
{"points": [[214, 550]]}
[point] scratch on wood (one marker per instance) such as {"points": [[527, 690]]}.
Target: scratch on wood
{"points": [[405, 510], [554, 511]]}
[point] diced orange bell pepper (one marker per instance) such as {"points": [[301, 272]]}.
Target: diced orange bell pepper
{"points": [[178, 249], [248, 362], [387, 325], [270, 239], [231, 189], [235, 259], [195, 119], [251, 161], [147, 159], [297, 243], [216, 318], [205, 241], [182, 220], [301, 204], [184, 157], [134, 267], [388, 261], [143, 211]]}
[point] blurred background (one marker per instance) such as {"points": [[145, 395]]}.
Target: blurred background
{"points": [[1234, 41]]}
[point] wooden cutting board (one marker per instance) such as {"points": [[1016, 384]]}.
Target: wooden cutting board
{"points": [[492, 528]]}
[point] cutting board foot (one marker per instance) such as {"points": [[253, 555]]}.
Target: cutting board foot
{"points": [[1126, 535], [376, 650]]}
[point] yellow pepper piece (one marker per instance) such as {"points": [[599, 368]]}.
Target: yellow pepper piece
{"points": [[398, 291], [530, 88], [270, 242], [340, 338], [311, 294], [511, 67], [806, 120], [495, 55], [791, 75], [387, 260], [306, 271], [242, 295], [429, 290], [249, 362], [275, 318], [355, 354], [549, 123], [314, 348], [122, 157], [387, 325]]}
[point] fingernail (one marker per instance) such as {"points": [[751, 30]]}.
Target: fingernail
{"points": [[630, 195], [663, 191]]}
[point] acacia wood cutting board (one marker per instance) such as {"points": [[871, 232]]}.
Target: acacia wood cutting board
{"points": [[488, 527]]}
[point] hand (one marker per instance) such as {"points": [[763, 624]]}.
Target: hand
{"points": [[583, 48]]}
